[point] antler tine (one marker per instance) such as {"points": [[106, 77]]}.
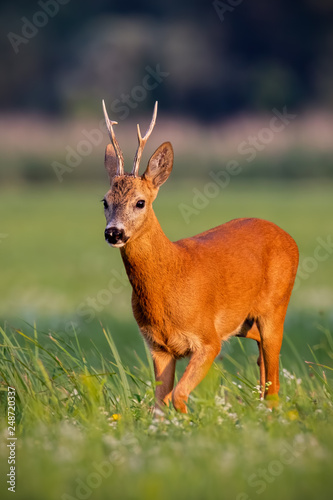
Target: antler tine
{"points": [[120, 158], [142, 141]]}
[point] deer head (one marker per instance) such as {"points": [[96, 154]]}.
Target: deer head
{"points": [[128, 203]]}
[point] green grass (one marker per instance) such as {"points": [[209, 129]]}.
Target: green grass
{"points": [[83, 427], [70, 382]]}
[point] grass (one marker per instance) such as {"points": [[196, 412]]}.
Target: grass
{"points": [[85, 427], [84, 423]]}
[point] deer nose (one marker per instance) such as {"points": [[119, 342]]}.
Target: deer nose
{"points": [[113, 235]]}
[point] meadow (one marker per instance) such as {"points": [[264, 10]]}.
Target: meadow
{"points": [[84, 381]]}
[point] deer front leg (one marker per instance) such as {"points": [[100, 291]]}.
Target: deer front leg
{"points": [[196, 370], [164, 368]]}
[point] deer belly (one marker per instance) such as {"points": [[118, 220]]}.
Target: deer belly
{"points": [[177, 343]]}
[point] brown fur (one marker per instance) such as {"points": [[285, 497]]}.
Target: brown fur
{"points": [[191, 295]]}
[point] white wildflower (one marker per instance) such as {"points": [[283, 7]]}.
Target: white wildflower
{"points": [[158, 413], [287, 374], [219, 401]]}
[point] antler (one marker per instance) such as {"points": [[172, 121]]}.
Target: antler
{"points": [[142, 142], [120, 158]]}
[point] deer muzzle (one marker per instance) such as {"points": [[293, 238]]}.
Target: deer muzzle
{"points": [[115, 236]]}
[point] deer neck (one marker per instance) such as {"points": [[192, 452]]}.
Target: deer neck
{"points": [[149, 257]]}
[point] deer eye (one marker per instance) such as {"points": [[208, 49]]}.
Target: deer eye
{"points": [[140, 204], [105, 203]]}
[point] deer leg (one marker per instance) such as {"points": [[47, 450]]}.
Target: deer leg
{"points": [[196, 370], [272, 332], [261, 365], [253, 333], [164, 368]]}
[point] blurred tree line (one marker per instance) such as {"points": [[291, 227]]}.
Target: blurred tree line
{"points": [[220, 57]]}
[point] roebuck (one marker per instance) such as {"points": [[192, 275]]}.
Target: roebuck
{"points": [[191, 295]]}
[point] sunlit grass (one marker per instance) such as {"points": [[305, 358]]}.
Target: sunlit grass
{"points": [[80, 413]]}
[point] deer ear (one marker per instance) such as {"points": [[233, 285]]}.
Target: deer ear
{"points": [[110, 161], [160, 165]]}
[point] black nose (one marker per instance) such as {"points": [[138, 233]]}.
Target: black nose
{"points": [[113, 235]]}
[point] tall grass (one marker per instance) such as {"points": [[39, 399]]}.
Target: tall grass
{"points": [[54, 380], [84, 413]]}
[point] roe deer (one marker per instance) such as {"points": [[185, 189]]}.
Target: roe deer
{"points": [[192, 294]]}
